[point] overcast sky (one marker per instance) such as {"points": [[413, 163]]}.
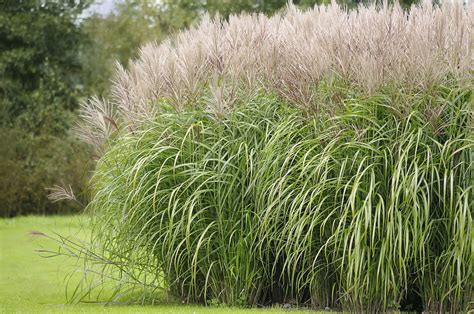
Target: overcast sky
{"points": [[102, 7]]}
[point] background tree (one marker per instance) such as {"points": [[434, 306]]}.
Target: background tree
{"points": [[118, 36], [40, 86]]}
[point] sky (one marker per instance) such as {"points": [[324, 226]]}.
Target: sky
{"points": [[102, 7]]}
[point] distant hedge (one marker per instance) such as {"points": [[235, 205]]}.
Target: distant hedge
{"points": [[30, 164]]}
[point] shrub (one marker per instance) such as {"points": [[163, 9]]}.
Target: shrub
{"points": [[30, 163], [291, 159]]}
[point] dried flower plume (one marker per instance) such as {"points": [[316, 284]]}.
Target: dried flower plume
{"points": [[60, 193], [288, 53]]}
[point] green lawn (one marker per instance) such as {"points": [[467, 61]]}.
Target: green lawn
{"points": [[30, 283]]}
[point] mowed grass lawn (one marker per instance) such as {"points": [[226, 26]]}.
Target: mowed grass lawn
{"points": [[30, 283]]}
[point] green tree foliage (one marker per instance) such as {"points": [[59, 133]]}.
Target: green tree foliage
{"points": [[39, 62], [118, 36], [39, 90], [228, 7]]}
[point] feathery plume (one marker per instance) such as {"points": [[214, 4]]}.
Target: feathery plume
{"points": [[290, 54]]}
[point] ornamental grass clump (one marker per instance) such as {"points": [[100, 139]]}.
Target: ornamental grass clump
{"points": [[319, 158]]}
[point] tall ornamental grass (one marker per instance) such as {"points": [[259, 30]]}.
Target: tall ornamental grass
{"points": [[318, 158]]}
